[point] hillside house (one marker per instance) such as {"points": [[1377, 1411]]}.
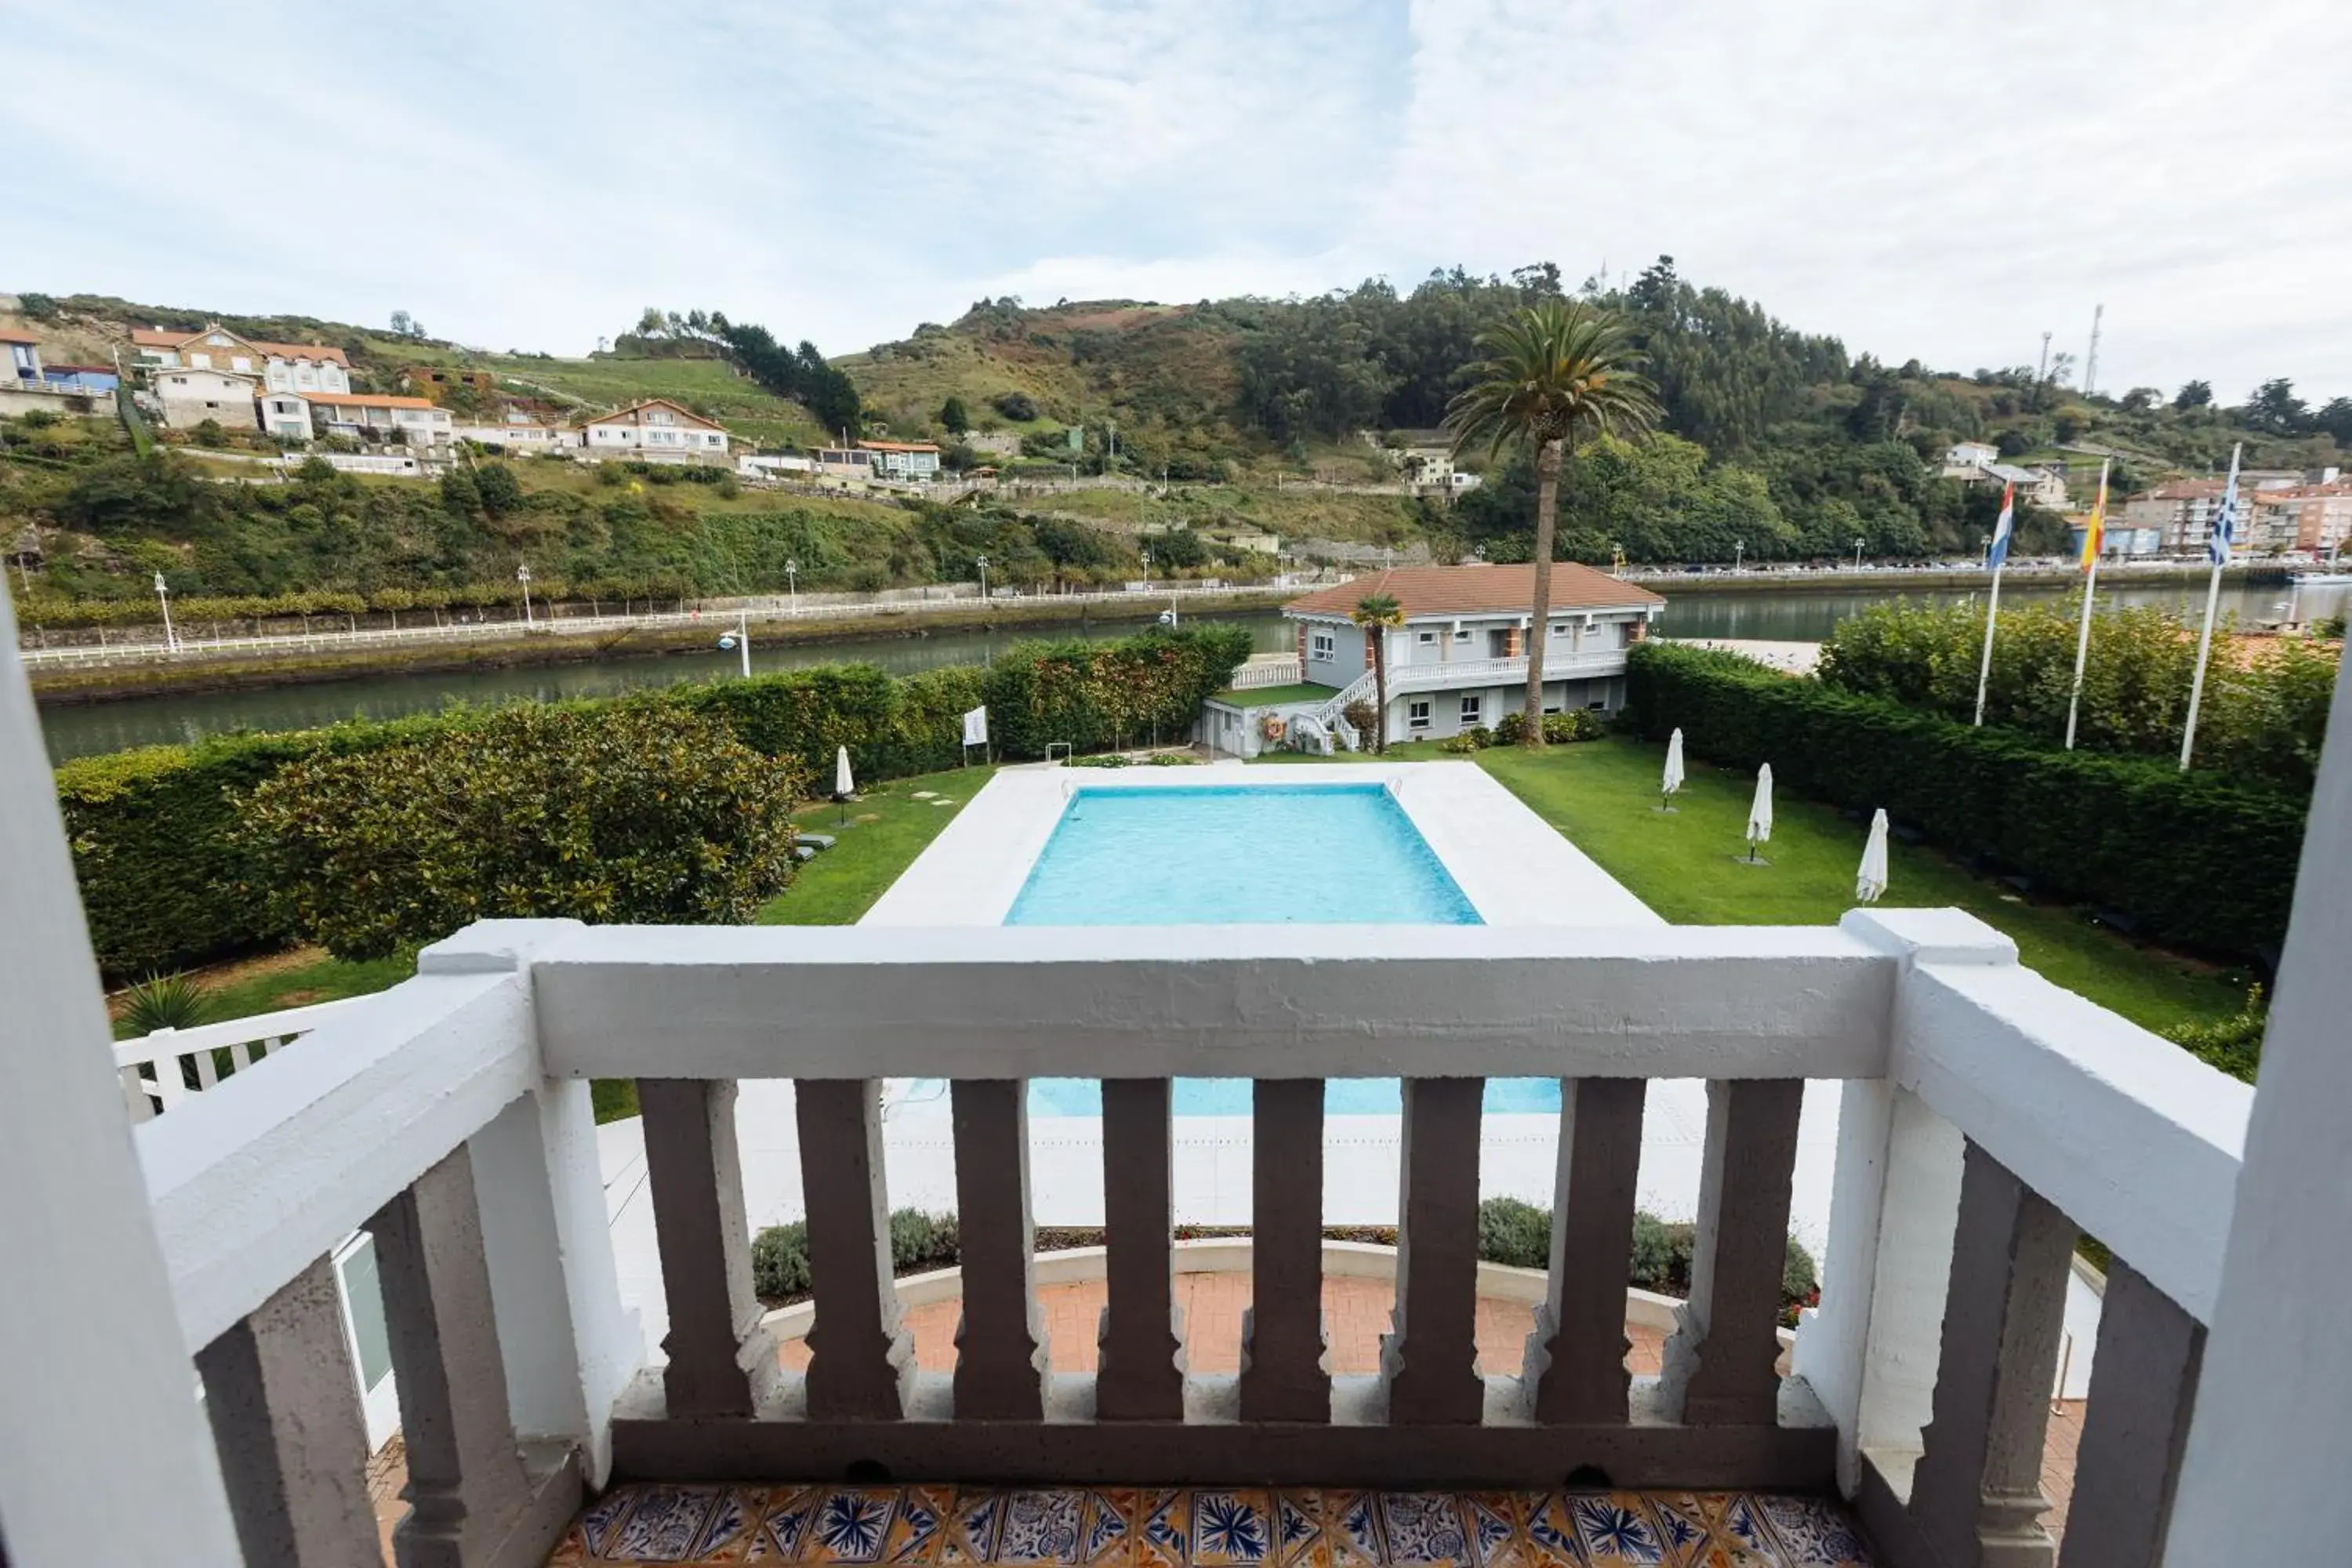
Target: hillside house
{"points": [[656, 431], [280, 367], [372, 415], [286, 415], [191, 394], [902, 459], [1961, 456], [90, 380], [20, 355]]}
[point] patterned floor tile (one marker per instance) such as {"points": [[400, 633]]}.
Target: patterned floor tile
{"points": [[1207, 1527]]}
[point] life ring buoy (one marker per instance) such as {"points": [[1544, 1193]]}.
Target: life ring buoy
{"points": [[1272, 727]]}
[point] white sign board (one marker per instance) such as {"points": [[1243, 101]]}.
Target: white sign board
{"points": [[975, 727]]}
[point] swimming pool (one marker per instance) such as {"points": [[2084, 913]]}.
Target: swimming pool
{"points": [[1238, 855]]}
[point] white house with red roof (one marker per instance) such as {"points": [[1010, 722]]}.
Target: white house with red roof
{"points": [[654, 431], [1460, 659]]}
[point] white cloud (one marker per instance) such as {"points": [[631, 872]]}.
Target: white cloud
{"points": [[1917, 179]]}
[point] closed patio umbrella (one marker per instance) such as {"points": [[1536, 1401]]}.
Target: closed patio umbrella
{"points": [[844, 787], [1759, 811], [1871, 881], [1672, 780]]}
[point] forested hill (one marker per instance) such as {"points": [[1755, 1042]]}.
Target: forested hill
{"points": [[1803, 448]]}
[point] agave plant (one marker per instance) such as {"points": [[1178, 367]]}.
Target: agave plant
{"points": [[166, 1002]]}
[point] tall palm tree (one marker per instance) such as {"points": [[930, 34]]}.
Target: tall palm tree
{"points": [[1376, 613], [1555, 372]]}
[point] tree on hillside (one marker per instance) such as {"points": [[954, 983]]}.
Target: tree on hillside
{"points": [[1554, 371], [953, 418], [1378, 614], [2334, 418], [405, 325], [2193, 394], [2275, 408], [2141, 399]]}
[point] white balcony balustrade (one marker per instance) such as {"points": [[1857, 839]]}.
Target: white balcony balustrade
{"points": [[1988, 1114]]}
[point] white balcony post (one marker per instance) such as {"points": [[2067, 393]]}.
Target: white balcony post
{"points": [[2267, 1439], [105, 1456], [569, 1345], [1870, 1352]]}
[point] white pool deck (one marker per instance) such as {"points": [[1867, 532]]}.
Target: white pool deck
{"points": [[1515, 869]]}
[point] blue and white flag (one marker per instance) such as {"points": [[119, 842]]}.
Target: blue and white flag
{"points": [[2001, 528], [2225, 517]]}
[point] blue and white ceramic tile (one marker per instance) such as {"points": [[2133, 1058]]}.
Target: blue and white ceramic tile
{"points": [[1205, 1526]]}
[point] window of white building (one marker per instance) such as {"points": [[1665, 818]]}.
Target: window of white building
{"points": [[1473, 706], [1416, 713], [1321, 645], [1426, 639]]}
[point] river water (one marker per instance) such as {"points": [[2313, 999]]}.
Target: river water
{"points": [[1776, 614]]}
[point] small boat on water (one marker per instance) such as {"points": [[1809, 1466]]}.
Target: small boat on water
{"points": [[2323, 579]]}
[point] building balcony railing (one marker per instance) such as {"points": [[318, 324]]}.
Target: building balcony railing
{"points": [[1559, 664], [1987, 1116]]}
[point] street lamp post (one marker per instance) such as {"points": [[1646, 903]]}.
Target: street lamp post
{"points": [[1738, 548], [522, 575], [163, 597], [983, 562], [743, 639], [792, 583], [1146, 566], [1857, 554]]}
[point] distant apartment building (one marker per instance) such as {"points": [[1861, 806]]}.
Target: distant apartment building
{"points": [[192, 393], [373, 415], [2316, 518], [279, 367], [657, 431], [762, 466], [1966, 455], [2182, 512]]}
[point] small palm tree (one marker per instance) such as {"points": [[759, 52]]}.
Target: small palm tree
{"points": [[1555, 372], [1376, 613]]}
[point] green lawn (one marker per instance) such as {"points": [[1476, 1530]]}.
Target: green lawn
{"points": [[1685, 866], [1267, 696], [878, 836]]}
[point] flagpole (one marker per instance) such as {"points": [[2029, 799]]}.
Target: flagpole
{"points": [[2094, 546], [1992, 607], [2218, 547]]}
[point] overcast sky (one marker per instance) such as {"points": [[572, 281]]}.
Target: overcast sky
{"points": [[1939, 181]]}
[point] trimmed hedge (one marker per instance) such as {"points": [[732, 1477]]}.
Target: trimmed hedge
{"points": [[2193, 858], [161, 865]]}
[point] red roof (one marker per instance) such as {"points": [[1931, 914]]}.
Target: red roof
{"points": [[359, 399], [626, 414], [7, 336], [1480, 590], [172, 337]]}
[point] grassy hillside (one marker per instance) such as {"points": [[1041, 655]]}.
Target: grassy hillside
{"points": [[711, 387]]}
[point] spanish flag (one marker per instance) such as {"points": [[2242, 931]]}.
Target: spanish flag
{"points": [[2094, 533]]}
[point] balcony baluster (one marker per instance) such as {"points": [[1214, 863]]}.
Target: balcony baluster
{"points": [[1283, 1373], [1428, 1362]]}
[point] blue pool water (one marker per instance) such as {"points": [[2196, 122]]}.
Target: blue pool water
{"points": [[1290, 853], [1235, 855]]}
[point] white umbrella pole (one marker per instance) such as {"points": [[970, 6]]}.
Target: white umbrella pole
{"points": [[743, 639], [1984, 665]]}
